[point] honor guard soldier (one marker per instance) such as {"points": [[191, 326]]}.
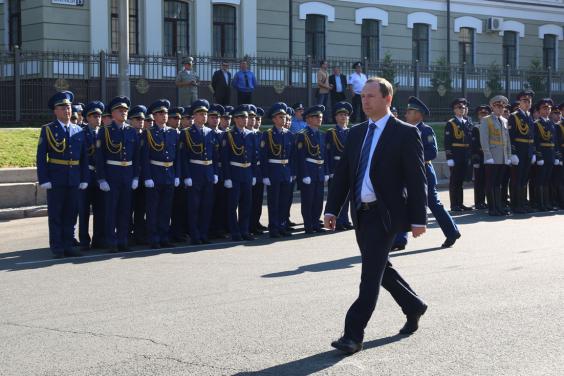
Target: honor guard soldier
{"points": [[335, 140], [179, 217], [276, 155], [415, 114], [174, 116], [478, 160], [149, 120], [225, 121], [558, 171], [199, 171], [160, 173], [457, 148], [91, 198], [239, 154], [258, 189], [219, 223], [136, 117], [106, 116], [186, 120], [117, 169], [75, 111], [62, 169], [312, 170], [545, 142], [521, 132]]}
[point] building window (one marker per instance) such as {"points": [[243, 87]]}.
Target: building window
{"points": [[420, 43], [224, 31], [133, 27], [466, 46], [510, 49], [370, 40], [176, 36], [315, 36], [549, 51], [15, 23]]}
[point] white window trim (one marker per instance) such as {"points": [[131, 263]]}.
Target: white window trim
{"points": [[515, 26], [316, 7], [551, 29], [468, 22], [422, 17], [370, 13], [228, 2]]}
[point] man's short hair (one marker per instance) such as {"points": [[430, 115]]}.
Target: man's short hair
{"points": [[386, 87], [322, 62]]}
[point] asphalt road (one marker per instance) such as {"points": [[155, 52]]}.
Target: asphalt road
{"points": [[262, 308]]}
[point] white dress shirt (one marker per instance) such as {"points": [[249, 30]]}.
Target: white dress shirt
{"points": [[73, 128], [338, 86], [357, 81], [367, 191]]}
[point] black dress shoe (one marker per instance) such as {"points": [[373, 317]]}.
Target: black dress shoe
{"points": [[123, 248], [155, 246], [348, 226], [481, 206], [205, 241], [75, 242], [248, 237], [466, 208], [292, 224], [85, 247], [339, 228], [309, 232], [346, 345], [456, 209], [196, 242], [167, 245], [320, 230], [449, 242], [236, 238], [397, 247], [412, 323], [261, 227], [73, 253], [285, 233], [58, 256], [273, 234]]}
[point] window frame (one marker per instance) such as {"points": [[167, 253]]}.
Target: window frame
{"points": [[416, 39], [317, 52], [223, 52], [506, 47], [545, 50], [14, 19], [133, 27], [174, 21], [367, 39], [463, 44]]}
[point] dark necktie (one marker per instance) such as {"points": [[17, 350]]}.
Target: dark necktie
{"points": [[363, 164], [246, 79]]}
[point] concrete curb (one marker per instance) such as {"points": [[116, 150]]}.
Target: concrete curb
{"points": [[25, 212]]}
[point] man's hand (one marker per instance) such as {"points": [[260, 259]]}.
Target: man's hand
{"points": [[417, 231], [330, 221]]}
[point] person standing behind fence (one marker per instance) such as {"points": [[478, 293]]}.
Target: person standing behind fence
{"points": [[244, 82], [323, 86], [221, 84], [478, 160], [187, 83], [338, 83], [356, 82]]}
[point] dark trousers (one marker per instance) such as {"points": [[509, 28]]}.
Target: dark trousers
{"points": [[357, 109], [343, 217], [219, 224], [244, 97], [256, 206], [179, 215], [456, 191], [375, 243], [223, 98], [288, 207], [312, 204], [200, 205], [159, 205], [494, 179], [139, 225], [557, 186], [480, 185], [277, 198], [239, 204], [91, 200], [118, 214], [62, 210]]}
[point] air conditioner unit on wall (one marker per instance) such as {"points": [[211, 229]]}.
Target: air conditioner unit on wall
{"points": [[494, 24]]}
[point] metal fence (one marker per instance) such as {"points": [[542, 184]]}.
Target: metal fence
{"points": [[29, 78]]}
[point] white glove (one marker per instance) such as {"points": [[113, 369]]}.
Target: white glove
{"points": [[326, 178], [489, 161], [292, 179], [134, 183], [508, 162], [450, 163], [533, 159], [46, 185], [306, 180], [215, 179], [254, 181], [561, 163], [540, 162], [477, 165], [514, 160], [83, 186], [188, 182], [176, 182], [331, 176], [104, 186], [556, 162], [149, 183], [266, 181], [228, 184]]}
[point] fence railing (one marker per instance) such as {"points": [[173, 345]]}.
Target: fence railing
{"points": [[27, 78]]}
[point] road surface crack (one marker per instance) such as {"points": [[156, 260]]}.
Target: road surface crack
{"points": [[185, 362]]}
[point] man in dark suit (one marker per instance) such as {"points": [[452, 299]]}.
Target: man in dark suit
{"points": [[221, 84], [338, 83], [382, 167]]}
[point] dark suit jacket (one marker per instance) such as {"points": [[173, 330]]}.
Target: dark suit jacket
{"points": [[397, 172], [343, 79], [220, 87]]}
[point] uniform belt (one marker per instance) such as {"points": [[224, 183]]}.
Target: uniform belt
{"points": [[162, 164], [63, 162], [91, 168], [366, 205], [120, 163], [279, 161], [547, 144], [316, 161], [455, 145], [337, 158], [524, 140], [237, 164], [200, 162]]}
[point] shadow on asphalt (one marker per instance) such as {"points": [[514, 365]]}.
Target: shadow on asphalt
{"points": [[318, 362]]}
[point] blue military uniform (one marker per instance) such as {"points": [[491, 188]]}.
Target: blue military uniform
{"points": [[220, 222], [478, 163], [199, 171], [458, 136], [521, 133], [258, 189], [117, 167], [312, 172], [239, 154], [445, 221], [277, 165], [558, 173], [161, 174], [138, 206], [62, 167], [179, 216], [91, 199], [545, 142], [335, 140]]}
